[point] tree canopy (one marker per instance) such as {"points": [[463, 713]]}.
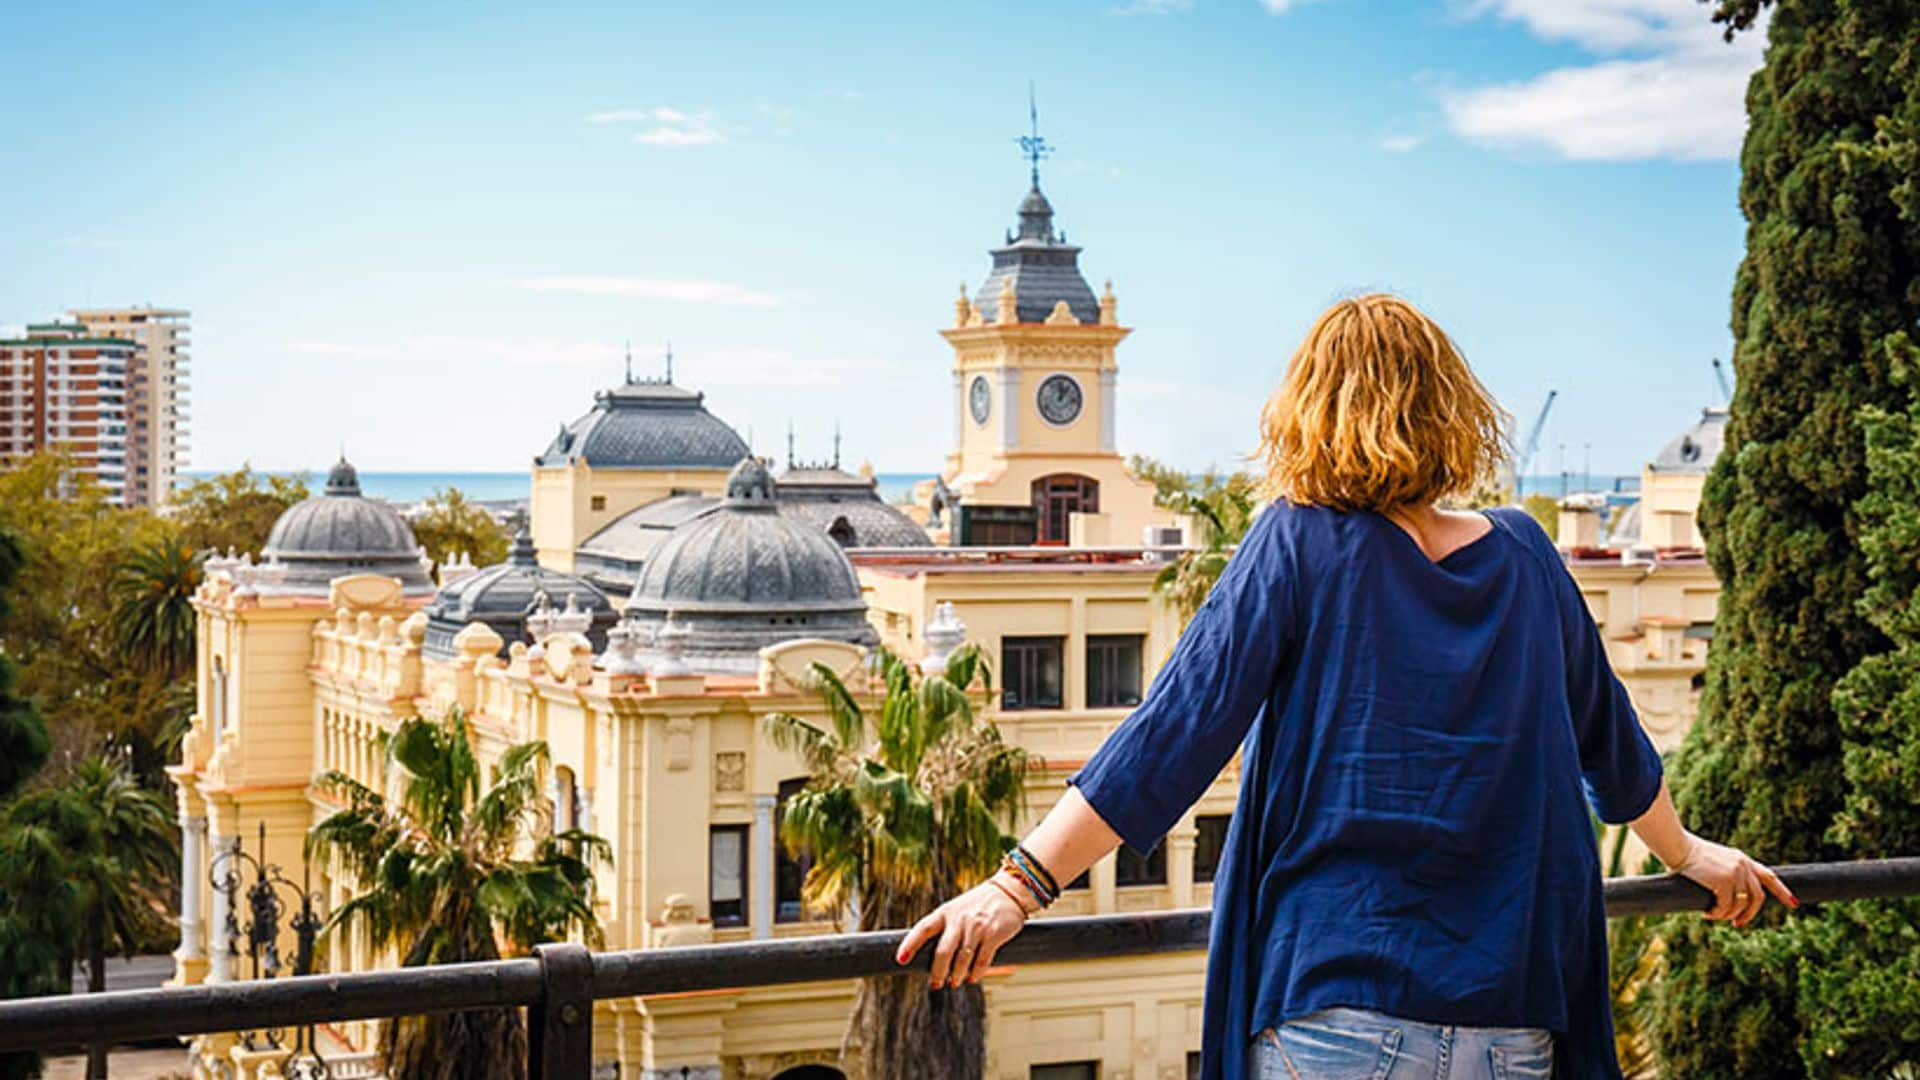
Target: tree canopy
{"points": [[234, 509]]}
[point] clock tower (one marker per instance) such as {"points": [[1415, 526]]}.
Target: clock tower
{"points": [[1034, 458]]}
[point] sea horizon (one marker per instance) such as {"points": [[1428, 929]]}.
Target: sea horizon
{"points": [[488, 487]]}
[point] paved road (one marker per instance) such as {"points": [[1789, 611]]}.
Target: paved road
{"points": [[139, 973]]}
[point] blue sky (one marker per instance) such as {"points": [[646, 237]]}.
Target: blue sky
{"points": [[424, 231]]}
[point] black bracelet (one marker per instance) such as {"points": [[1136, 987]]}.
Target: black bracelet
{"points": [[1045, 874]]}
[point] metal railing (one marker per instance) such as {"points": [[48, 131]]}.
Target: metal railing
{"points": [[559, 984]]}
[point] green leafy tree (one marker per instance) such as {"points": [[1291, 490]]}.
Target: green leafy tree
{"points": [[1800, 701], [1222, 507], [87, 866], [234, 509], [450, 867], [62, 634], [449, 523], [28, 961], [153, 604], [905, 805]]}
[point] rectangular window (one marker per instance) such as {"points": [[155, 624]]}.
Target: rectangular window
{"points": [[599, 502], [1132, 868], [727, 875], [789, 871], [1193, 1065], [1209, 844], [1032, 675], [1113, 670], [1065, 1070]]}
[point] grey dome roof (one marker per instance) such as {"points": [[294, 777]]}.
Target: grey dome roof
{"points": [[745, 576], [647, 425], [1695, 449], [342, 532], [1045, 270], [503, 595], [847, 508]]}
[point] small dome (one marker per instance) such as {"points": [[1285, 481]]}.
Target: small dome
{"points": [[1695, 449], [746, 576], [647, 425], [504, 595], [342, 532], [1042, 267]]}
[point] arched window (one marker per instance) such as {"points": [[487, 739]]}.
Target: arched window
{"points": [[566, 800], [842, 531], [789, 871], [810, 1072], [1056, 497], [219, 699]]}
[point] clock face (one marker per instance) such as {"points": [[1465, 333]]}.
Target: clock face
{"points": [[979, 399], [1059, 399]]}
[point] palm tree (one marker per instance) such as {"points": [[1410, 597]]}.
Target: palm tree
{"points": [[451, 870], [90, 861], [903, 807], [153, 604], [1223, 507]]}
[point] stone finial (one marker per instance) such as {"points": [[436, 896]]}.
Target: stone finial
{"points": [[1009, 304], [387, 631], [944, 633], [572, 620], [622, 656], [540, 619], [477, 640], [364, 626], [962, 307], [1061, 315], [668, 644], [414, 630], [343, 620], [1109, 307]]}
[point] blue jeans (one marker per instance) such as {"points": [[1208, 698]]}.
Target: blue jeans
{"points": [[1357, 1044]]}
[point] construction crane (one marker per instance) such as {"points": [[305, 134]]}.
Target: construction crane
{"points": [[1530, 447], [1720, 376]]}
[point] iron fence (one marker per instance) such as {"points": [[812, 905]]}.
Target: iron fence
{"points": [[559, 984]]}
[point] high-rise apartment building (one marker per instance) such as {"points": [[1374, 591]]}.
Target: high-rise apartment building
{"points": [[64, 388], [156, 394]]}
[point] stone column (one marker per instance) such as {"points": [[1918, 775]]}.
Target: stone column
{"points": [[959, 409], [1109, 408], [1008, 407], [760, 868], [1180, 842], [193, 878], [1101, 879], [221, 960]]}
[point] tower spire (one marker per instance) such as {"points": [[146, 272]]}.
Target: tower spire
{"points": [[629, 361], [836, 444], [1032, 144], [669, 360], [789, 442]]}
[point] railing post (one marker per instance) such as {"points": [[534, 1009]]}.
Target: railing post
{"points": [[560, 1024]]}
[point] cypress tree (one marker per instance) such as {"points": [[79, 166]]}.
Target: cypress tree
{"points": [[1790, 756]]}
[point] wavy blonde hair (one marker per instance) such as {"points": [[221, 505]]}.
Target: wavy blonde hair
{"points": [[1378, 411]]}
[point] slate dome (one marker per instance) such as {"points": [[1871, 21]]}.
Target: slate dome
{"points": [[341, 532], [1695, 449], [746, 576], [647, 425], [504, 595]]}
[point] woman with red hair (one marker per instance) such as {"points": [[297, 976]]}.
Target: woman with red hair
{"points": [[1424, 712]]}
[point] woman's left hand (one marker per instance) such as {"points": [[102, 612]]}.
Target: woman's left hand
{"points": [[971, 928]]}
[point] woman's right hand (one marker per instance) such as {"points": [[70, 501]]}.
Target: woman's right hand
{"points": [[1738, 883]]}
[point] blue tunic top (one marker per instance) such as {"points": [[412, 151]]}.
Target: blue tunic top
{"points": [[1419, 743]]}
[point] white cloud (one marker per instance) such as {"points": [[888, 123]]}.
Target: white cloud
{"points": [[1662, 85], [671, 126], [334, 349], [685, 290], [1401, 144]]}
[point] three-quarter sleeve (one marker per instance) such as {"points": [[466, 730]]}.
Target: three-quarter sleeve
{"points": [[1620, 767], [1162, 757]]}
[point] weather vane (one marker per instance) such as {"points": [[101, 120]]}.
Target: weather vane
{"points": [[1033, 146]]}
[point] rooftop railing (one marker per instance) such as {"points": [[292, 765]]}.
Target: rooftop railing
{"points": [[559, 984]]}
